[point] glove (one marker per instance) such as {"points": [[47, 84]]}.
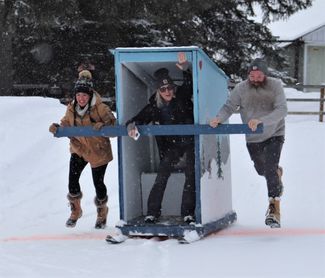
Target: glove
{"points": [[98, 126], [53, 128], [133, 131]]}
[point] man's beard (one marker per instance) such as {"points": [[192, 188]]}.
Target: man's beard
{"points": [[257, 84]]}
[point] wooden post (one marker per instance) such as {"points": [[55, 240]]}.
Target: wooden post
{"points": [[321, 104]]}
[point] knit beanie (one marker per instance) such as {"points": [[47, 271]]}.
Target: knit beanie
{"points": [[162, 78], [83, 85], [258, 64]]}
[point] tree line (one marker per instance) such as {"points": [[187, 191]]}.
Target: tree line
{"points": [[46, 40]]}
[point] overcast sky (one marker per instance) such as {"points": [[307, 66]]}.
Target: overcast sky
{"points": [[300, 22]]}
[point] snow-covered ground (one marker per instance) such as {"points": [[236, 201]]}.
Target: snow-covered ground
{"points": [[34, 241]]}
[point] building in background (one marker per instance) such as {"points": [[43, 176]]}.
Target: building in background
{"points": [[306, 56]]}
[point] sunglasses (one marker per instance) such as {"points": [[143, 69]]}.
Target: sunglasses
{"points": [[167, 88]]}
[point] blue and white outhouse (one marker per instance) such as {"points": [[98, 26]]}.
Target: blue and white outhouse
{"points": [[138, 160]]}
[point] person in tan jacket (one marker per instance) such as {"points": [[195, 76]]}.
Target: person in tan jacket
{"points": [[87, 109]]}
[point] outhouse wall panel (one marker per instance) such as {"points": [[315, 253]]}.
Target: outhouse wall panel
{"points": [[215, 172], [171, 204], [137, 159]]}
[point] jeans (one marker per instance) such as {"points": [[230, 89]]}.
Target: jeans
{"points": [[266, 156]]}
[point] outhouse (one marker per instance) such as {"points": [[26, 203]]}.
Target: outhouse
{"points": [[138, 160]]}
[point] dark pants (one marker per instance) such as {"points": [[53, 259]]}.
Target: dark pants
{"points": [[266, 156], [77, 164], [166, 167]]}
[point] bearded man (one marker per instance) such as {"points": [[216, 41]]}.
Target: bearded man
{"points": [[260, 99]]}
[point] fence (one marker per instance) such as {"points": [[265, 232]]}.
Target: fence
{"points": [[321, 112]]}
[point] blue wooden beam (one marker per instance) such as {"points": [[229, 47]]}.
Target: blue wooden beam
{"points": [[151, 130]]}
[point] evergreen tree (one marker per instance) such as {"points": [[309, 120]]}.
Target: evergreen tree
{"points": [[223, 28], [50, 38]]}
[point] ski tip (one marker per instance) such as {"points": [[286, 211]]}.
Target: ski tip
{"points": [[189, 237], [115, 239]]}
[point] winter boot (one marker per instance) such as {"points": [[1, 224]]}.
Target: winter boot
{"points": [[273, 213], [150, 219], [280, 174], [76, 211], [102, 211], [188, 219]]}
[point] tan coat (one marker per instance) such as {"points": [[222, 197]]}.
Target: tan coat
{"points": [[95, 150]]}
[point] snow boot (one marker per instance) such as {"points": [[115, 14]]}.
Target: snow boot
{"points": [[102, 211], [76, 211], [280, 174], [188, 219], [273, 213], [150, 219]]}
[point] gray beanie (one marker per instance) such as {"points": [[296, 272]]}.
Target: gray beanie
{"points": [[258, 64]]}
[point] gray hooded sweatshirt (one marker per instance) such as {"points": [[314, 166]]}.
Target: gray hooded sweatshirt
{"points": [[266, 103]]}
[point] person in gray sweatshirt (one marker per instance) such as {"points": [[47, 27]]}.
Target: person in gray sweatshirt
{"points": [[261, 99]]}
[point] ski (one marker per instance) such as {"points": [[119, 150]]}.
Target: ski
{"points": [[113, 240], [115, 237], [182, 240], [189, 237]]}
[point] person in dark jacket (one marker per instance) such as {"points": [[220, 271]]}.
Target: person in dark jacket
{"points": [[170, 105], [87, 109]]}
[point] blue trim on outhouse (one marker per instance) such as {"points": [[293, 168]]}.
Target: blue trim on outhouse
{"points": [[117, 66]]}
